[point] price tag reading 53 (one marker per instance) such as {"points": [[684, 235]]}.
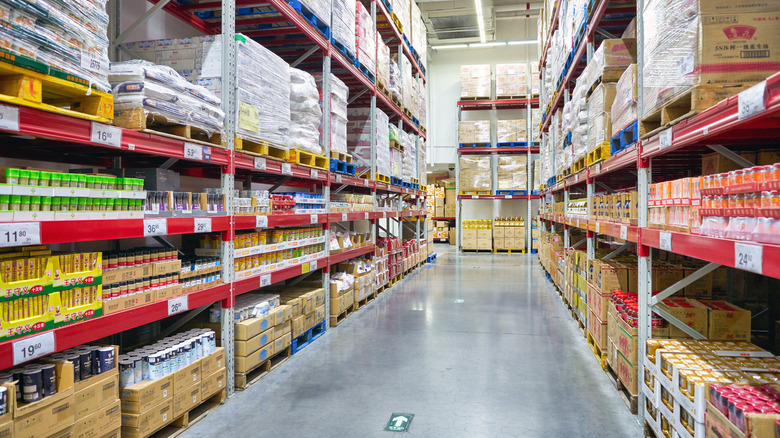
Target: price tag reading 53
{"points": [[33, 347]]}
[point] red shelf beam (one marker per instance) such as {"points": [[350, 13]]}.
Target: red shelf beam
{"points": [[498, 151], [477, 197], [351, 254], [500, 104], [380, 9], [280, 220], [253, 283]]}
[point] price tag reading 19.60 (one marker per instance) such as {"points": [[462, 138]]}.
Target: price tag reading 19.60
{"points": [[107, 135], [178, 305], [20, 233], [33, 347], [749, 257], [202, 224], [155, 227]]}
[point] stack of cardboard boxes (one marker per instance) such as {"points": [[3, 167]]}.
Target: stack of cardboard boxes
{"points": [[256, 340], [308, 306], [511, 81], [474, 131], [508, 234], [475, 81], [616, 207], [475, 174], [509, 131], [511, 173], [477, 235]]}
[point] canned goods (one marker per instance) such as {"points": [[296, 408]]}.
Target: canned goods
{"points": [[48, 379], [32, 385], [126, 372], [85, 358], [105, 359]]}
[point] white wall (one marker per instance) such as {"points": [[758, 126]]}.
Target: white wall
{"points": [[160, 25]]}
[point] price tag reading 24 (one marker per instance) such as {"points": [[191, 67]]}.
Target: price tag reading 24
{"points": [[749, 257]]}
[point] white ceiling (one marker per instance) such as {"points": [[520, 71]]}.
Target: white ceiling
{"points": [[455, 21]]}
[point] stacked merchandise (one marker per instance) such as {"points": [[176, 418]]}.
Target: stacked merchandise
{"points": [[262, 80], [393, 250], [339, 95], [474, 131], [599, 118], [534, 78], [400, 9], [689, 44], [676, 205], [69, 36], [381, 267], [536, 121], [359, 140], [422, 147], [342, 24], [146, 93], [477, 234], [340, 242], [509, 233], [537, 170], [475, 174], [396, 161], [577, 119], [395, 86], [320, 8], [252, 202], [510, 131], [438, 201], [365, 38], [183, 204], [198, 273], [405, 67], [624, 107], [609, 61], [305, 113], [577, 208], [415, 34], [351, 202], [616, 207], [422, 110], [134, 277], [261, 332], [342, 295], [165, 380], [411, 254], [382, 63], [409, 168], [363, 279], [475, 81], [303, 202], [511, 81], [512, 172]]}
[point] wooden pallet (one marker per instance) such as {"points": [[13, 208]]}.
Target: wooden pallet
{"points": [[341, 156], [508, 97], [395, 100], [599, 153], [357, 305], [71, 96], [474, 98], [509, 250], [244, 380], [138, 119], [415, 181], [685, 105], [396, 145], [382, 86], [262, 148], [473, 193], [579, 165], [631, 400], [477, 250], [341, 317], [601, 356], [199, 412], [307, 159]]}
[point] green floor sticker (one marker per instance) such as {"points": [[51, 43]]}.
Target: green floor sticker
{"points": [[399, 422]]}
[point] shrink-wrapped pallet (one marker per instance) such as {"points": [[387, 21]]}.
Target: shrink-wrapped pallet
{"points": [[382, 62], [395, 85], [511, 131], [359, 140], [477, 131], [599, 119], [305, 113], [624, 107], [610, 60], [512, 173], [320, 8], [343, 24], [475, 81], [475, 174], [339, 95], [365, 38], [511, 81]]}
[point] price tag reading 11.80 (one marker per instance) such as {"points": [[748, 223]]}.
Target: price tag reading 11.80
{"points": [[20, 233], [178, 305], [33, 347]]}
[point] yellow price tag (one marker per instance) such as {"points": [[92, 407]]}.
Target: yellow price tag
{"points": [[304, 268]]}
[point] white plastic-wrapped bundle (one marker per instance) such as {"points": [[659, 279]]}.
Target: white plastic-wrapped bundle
{"points": [[343, 24], [382, 62], [67, 35], [624, 107], [396, 162], [406, 82], [383, 143], [320, 8], [339, 95], [410, 156], [145, 91], [359, 139], [401, 10], [305, 113], [365, 38], [395, 80]]}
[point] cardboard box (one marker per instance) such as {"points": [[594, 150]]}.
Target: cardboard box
{"points": [[186, 377], [439, 211], [758, 425], [51, 414], [186, 400], [450, 198], [449, 210], [281, 330], [245, 348], [298, 326], [213, 362], [689, 311], [142, 396], [282, 314], [96, 392], [100, 423], [213, 383], [128, 302], [247, 363], [627, 373], [598, 331], [728, 325], [282, 343], [138, 425], [248, 329]]}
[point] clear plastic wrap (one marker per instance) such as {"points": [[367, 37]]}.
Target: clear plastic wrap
{"points": [[64, 34], [536, 120], [511, 80], [512, 173], [143, 90], [396, 162], [409, 169], [320, 8], [343, 23], [339, 95], [401, 10], [365, 38], [599, 118], [395, 80], [359, 140], [624, 107], [477, 131], [475, 81], [475, 174], [612, 56], [305, 113], [511, 131], [383, 62], [406, 82]]}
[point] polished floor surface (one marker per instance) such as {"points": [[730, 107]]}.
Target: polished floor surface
{"points": [[474, 345]]}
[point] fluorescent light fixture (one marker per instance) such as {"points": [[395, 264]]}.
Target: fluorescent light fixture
{"points": [[480, 20], [451, 46], [490, 44], [521, 42], [481, 45]]}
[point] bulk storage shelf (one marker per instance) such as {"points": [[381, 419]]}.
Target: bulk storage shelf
{"points": [[468, 197], [391, 30], [498, 151], [503, 104], [350, 254], [614, 229], [256, 282]]}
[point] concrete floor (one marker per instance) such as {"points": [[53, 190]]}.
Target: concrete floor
{"points": [[507, 361]]}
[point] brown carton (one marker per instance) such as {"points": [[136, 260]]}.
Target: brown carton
{"points": [[213, 383], [186, 377], [144, 395], [128, 302], [165, 268], [97, 424], [245, 364], [727, 322], [213, 362], [690, 312], [96, 392], [250, 328], [245, 348], [152, 419], [298, 326], [186, 400], [282, 314], [50, 414], [282, 342]]}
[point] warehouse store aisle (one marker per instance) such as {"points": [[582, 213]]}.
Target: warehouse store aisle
{"points": [[474, 345]]}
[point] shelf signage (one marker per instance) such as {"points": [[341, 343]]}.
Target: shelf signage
{"points": [[338, 178], [365, 183], [33, 347], [107, 135], [343, 217], [265, 280], [94, 63], [315, 174], [202, 225], [178, 304], [751, 101], [507, 196], [624, 232], [261, 221], [598, 228], [9, 118], [155, 227], [286, 169], [665, 240], [313, 265], [665, 138], [259, 163], [749, 257], [20, 233], [365, 216], [314, 218], [193, 151]]}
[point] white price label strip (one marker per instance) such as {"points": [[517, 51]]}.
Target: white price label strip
{"points": [[9, 118], [598, 228], [261, 221], [751, 101], [265, 280], [20, 233], [338, 178], [94, 63], [507, 196], [259, 163], [315, 174], [749, 257], [286, 169], [155, 227], [665, 138], [665, 240], [343, 217], [313, 265], [193, 151], [314, 218], [365, 216], [474, 196], [365, 183], [624, 232], [33, 347], [178, 305], [202, 224], [107, 135]]}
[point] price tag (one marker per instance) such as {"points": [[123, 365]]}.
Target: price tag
{"points": [[261, 221], [314, 218], [665, 240], [107, 135], [193, 151], [9, 118], [343, 217], [749, 257], [259, 163], [286, 169], [315, 174], [624, 232], [202, 224], [304, 268], [313, 265], [178, 305], [265, 280], [94, 63], [365, 216], [665, 138], [338, 178], [365, 183], [598, 227], [751, 101], [474, 196], [507, 196], [20, 233], [33, 347], [155, 227], [384, 215], [578, 223], [597, 168]]}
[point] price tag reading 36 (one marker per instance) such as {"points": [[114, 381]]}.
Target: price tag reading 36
{"points": [[155, 227]]}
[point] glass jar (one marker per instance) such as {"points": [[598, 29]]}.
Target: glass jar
{"points": [[45, 180], [56, 179], [12, 176]]}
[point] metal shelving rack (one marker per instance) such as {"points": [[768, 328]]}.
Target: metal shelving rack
{"points": [[527, 104], [702, 133], [295, 39]]}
